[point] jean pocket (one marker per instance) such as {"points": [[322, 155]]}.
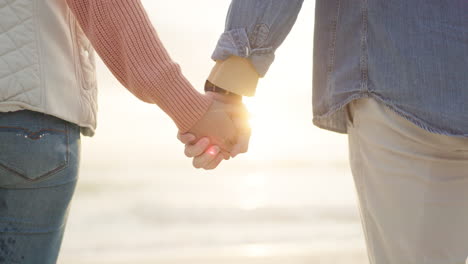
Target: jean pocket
{"points": [[32, 153]]}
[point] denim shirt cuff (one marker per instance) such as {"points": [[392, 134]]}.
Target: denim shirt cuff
{"points": [[236, 42]]}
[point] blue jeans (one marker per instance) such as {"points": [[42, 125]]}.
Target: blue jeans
{"points": [[39, 159]]}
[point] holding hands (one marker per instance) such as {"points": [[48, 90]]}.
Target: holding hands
{"points": [[223, 132]]}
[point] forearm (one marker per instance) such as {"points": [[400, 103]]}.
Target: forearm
{"points": [[125, 39], [254, 31]]}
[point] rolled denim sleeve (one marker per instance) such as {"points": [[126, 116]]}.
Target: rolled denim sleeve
{"points": [[255, 29]]}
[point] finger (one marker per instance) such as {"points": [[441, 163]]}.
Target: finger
{"points": [[186, 138], [227, 144], [242, 145], [226, 155], [206, 158], [197, 149], [215, 163]]}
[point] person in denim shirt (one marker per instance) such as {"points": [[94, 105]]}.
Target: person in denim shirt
{"points": [[393, 76]]}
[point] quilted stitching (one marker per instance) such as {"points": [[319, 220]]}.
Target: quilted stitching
{"points": [[19, 62]]}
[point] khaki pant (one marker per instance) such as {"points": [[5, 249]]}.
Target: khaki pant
{"points": [[412, 187]]}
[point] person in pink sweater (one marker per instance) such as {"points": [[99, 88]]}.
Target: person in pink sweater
{"points": [[47, 102], [123, 36]]}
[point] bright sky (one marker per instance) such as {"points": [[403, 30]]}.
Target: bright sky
{"points": [[282, 112]]}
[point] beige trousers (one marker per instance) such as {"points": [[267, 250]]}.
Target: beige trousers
{"points": [[412, 187]]}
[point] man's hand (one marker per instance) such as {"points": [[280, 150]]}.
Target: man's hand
{"points": [[240, 117], [218, 126], [206, 153]]}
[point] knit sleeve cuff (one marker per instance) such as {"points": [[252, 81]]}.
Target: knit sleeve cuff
{"points": [[178, 99]]}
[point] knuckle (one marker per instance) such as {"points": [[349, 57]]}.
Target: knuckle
{"points": [[203, 141], [245, 149], [230, 142], [196, 165], [188, 152], [199, 162], [210, 167]]}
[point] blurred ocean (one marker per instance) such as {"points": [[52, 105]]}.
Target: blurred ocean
{"points": [[264, 213]]}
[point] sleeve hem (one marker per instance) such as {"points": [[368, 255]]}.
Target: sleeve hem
{"points": [[236, 75], [236, 42], [181, 101]]}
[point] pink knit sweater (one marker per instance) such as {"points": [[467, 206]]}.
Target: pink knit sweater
{"points": [[125, 39]]}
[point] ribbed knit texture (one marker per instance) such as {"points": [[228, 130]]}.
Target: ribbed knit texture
{"points": [[123, 36]]}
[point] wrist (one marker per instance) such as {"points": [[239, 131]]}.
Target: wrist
{"points": [[235, 75], [221, 94], [224, 98], [181, 101]]}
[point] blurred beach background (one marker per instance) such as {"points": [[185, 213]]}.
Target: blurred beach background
{"points": [[291, 199]]}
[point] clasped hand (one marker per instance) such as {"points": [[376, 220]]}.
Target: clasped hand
{"points": [[223, 132]]}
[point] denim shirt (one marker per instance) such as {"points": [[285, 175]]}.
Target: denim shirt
{"points": [[411, 56]]}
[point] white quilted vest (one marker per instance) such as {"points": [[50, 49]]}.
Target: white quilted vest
{"points": [[46, 62]]}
